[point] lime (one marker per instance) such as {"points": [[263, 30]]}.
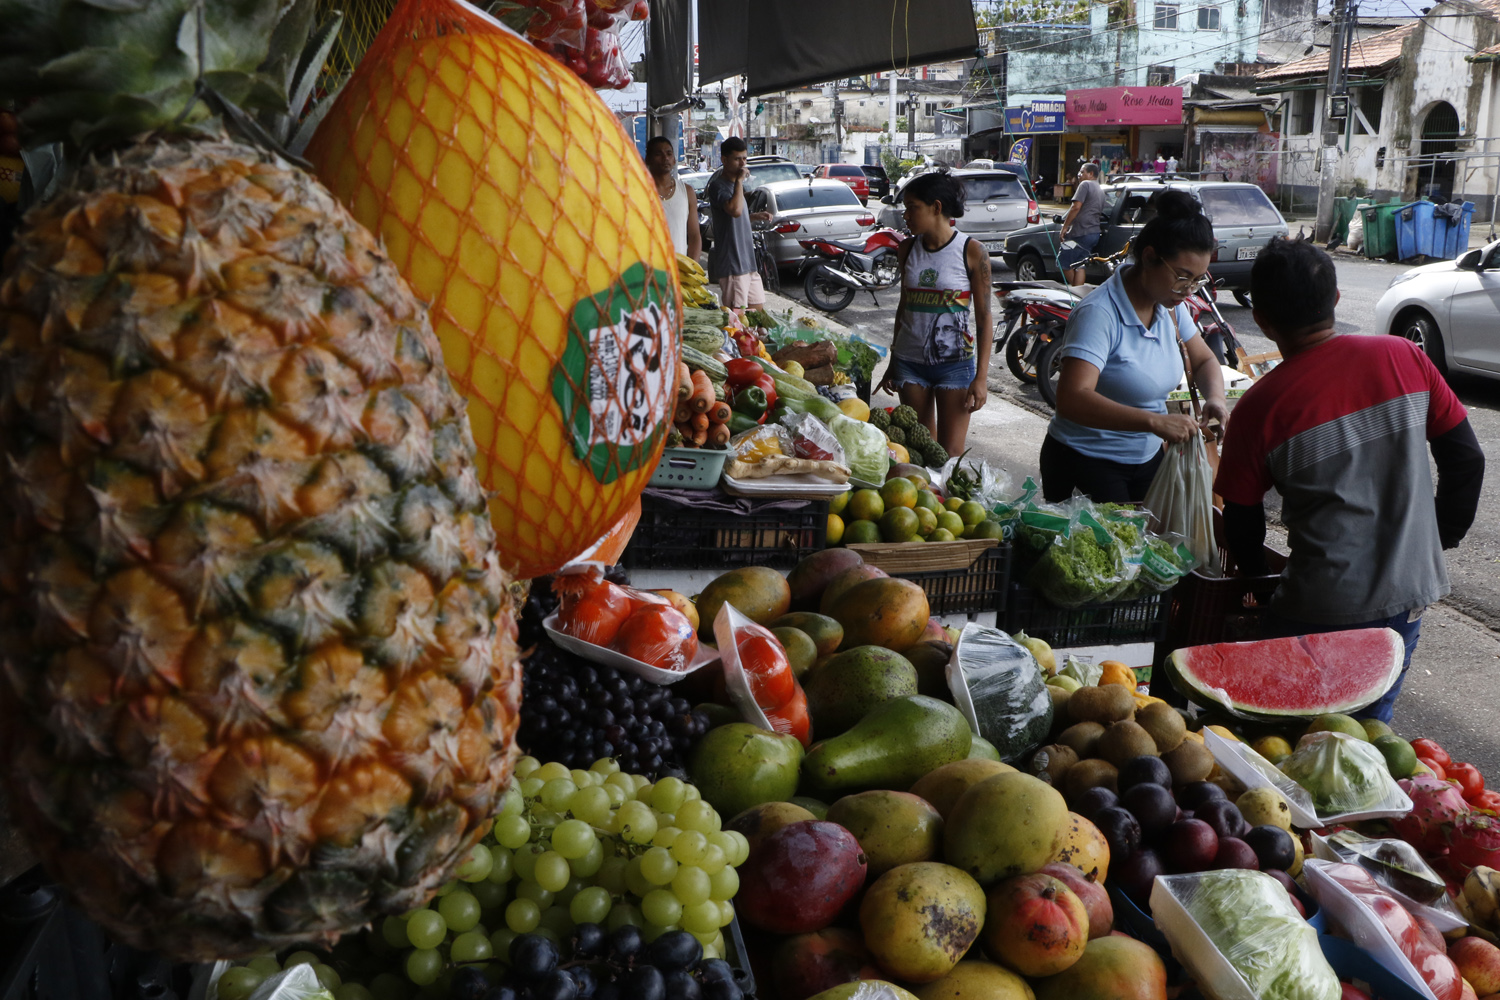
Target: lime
{"points": [[950, 522], [926, 521], [838, 503], [861, 532], [988, 529], [898, 492], [1375, 729], [920, 482], [928, 500], [1400, 758], [971, 511], [899, 524], [953, 503], [940, 535], [1336, 723], [866, 505], [835, 529]]}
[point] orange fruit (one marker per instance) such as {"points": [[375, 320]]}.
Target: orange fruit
{"points": [[899, 492], [509, 197], [865, 505]]}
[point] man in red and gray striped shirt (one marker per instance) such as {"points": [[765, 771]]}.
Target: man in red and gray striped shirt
{"points": [[1341, 429]]}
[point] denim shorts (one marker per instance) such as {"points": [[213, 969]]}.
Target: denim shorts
{"points": [[1071, 257], [946, 375]]}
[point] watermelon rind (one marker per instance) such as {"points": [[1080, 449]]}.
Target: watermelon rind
{"points": [[1183, 677]]}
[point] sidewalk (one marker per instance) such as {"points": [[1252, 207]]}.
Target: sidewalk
{"points": [[1479, 236]]}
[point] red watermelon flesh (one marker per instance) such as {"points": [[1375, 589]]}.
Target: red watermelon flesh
{"points": [[1302, 676]]}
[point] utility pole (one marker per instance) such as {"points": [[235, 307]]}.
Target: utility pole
{"points": [[1336, 90], [838, 134], [891, 108]]}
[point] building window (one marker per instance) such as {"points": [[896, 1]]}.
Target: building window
{"points": [[1166, 17], [1208, 18], [1302, 112], [931, 109], [1371, 103], [1160, 76]]}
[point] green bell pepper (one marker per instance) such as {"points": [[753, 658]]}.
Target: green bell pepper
{"points": [[751, 401]]}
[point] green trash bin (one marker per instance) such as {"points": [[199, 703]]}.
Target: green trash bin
{"points": [[1380, 229], [1343, 214]]}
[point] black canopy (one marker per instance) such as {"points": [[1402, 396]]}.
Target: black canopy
{"points": [[669, 52]]}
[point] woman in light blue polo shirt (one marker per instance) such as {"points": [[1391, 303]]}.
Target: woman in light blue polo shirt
{"points": [[1121, 359]]}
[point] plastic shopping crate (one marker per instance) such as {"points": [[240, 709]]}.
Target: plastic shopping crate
{"points": [[689, 468], [1231, 608], [670, 536], [1141, 620], [981, 586]]}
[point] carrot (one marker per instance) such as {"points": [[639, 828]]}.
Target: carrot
{"points": [[700, 422], [683, 413], [719, 413], [703, 393], [699, 437], [684, 380], [718, 435]]}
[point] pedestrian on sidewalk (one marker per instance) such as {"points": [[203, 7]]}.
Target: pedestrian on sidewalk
{"points": [[731, 260], [939, 363], [1120, 359], [1081, 226], [1341, 428], [678, 200]]}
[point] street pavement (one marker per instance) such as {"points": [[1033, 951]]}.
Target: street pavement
{"points": [[1453, 689]]}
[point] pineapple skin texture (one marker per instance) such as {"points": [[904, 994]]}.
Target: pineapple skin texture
{"points": [[507, 194], [259, 677]]}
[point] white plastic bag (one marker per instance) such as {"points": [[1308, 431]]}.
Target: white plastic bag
{"points": [[1356, 231], [1181, 501], [1396, 865], [1347, 778], [1254, 771]]}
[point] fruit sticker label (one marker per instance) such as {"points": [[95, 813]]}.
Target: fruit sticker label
{"points": [[612, 383]]}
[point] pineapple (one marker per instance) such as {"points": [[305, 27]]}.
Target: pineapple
{"points": [[508, 195], [259, 677]]}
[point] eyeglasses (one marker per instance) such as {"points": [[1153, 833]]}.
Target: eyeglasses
{"points": [[1188, 283]]}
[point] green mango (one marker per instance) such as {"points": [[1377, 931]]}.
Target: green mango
{"points": [[895, 744], [984, 749], [739, 765]]}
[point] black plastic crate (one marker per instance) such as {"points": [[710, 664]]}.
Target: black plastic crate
{"points": [[983, 586], [1142, 620], [677, 537]]}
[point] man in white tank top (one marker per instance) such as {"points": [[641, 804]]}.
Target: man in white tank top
{"points": [[678, 201]]}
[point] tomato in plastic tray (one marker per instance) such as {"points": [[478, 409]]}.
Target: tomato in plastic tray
{"points": [[593, 609], [758, 677], [660, 635], [1434, 966]]}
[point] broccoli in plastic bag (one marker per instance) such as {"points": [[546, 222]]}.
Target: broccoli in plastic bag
{"points": [[1085, 564], [1001, 690], [1345, 776], [1249, 920]]}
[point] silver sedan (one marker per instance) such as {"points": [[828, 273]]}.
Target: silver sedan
{"points": [[801, 210], [1450, 309]]}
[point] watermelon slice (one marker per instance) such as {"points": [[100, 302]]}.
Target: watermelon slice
{"points": [[1302, 676]]}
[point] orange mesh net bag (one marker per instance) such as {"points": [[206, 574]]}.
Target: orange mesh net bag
{"points": [[512, 201]]}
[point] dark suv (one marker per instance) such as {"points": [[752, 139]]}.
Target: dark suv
{"points": [[880, 183]]}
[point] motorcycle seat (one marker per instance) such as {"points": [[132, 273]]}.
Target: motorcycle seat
{"points": [[847, 245]]}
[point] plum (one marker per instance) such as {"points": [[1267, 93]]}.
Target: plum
{"points": [[1094, 799], [1120, 829], [1287, 882], [1272, 845], [1136, 874], [1152, 807], [1191, 845], [1235, 853], [1142, 770], [1195, 793], [1224, 816]]}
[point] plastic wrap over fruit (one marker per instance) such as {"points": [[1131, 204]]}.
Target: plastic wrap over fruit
{"points": [[1000, 689], [660, 635], [1239, 936], [593, 609], [865, 447], [1400, 868], [1347, 778], [758, 676]]}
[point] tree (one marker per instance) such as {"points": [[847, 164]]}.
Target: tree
{"points": [[993, 13]]}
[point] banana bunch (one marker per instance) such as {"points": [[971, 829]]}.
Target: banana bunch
{"points": [[1479, 902], [694, 281]]}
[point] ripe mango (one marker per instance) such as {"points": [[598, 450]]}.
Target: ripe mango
{"points": [[1011, 824], [920, 919], [893, 828]]}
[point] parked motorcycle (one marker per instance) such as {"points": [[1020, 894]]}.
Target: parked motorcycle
{"points": [[1032, 315], [836, 270]]}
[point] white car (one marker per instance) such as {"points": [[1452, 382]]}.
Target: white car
{"points": [[1450, 309]]}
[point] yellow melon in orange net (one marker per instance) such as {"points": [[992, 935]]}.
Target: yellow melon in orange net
{"points": [[513, 202]]}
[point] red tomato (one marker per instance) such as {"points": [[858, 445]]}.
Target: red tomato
{"points": [[1470, 781], [1429, 749], [660, 635], [1487, 800], [595, 615], [1437, 769], [792, 718], [771, 680]]}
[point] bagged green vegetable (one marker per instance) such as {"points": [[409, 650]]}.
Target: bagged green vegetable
{"points": [[1008, 513], [1086, 564], [1165, 560], [1128, 525], [999, 687], [1346, 777], [1249, 920], [864, 447]]}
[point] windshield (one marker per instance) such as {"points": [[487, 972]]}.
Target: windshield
{"points": [[1239, 206], [765, 173], [794, 199], [993, 187]]}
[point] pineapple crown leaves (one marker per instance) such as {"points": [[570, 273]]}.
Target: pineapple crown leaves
{"points": [[93, 73]]}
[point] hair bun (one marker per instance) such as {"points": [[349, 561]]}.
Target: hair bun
{"points": [[1173, 203]]}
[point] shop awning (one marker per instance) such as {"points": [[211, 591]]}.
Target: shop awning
{"points": [[669, 52], [793, 43]]}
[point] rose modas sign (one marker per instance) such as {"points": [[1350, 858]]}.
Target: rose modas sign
{"points": [[515, 205]]}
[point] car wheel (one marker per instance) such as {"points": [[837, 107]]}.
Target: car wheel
{"points": [[1030, 267], [1243, 298], [1418, 327]]}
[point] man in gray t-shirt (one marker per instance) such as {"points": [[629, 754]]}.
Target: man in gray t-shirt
{"points": [[731, 259], [1082, 223]]}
